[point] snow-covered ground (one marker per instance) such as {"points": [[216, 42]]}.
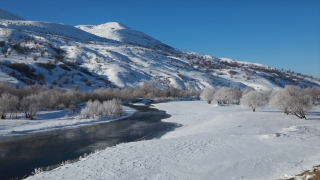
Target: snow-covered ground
{"points": [[215, 142], [48, 120]]}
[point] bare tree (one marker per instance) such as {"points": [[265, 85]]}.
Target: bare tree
{"points": [[30, 105], [8, 104]]}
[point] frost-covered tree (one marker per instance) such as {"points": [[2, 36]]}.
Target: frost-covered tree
{"points": [[8, 104], [299, 106], [225, 95], [30, 105], [278, 100], [92, 109], [248, 89], [298, 101], [314, 92], [112, 108], [207, 94], [190, 90], [293, 100], [254, 100]]}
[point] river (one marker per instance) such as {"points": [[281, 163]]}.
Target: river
{"points": [[21, 154]]}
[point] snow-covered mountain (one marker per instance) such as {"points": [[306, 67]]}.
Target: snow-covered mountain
{"points": [[122, 33], [114, 55]]}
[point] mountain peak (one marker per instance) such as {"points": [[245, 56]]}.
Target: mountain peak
{"points": [[122, 33], [4, 14], [113, 25]]}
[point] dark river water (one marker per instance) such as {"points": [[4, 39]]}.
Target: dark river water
{"points": [[21, 154]]}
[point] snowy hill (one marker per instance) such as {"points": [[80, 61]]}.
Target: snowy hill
{"points": [[114, 55], [122, 33]]}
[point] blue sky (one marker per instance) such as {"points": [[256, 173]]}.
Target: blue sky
{"points": [[279, 33]]}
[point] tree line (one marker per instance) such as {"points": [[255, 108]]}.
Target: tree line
{"points": [[290, 100], [31, 99]]}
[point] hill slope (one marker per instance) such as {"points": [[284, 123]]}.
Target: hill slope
{"points": [[122, 33]]}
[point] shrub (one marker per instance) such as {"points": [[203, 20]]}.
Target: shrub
{"points": [[35, 57], [18, 48], [25, 70], [84, 70], [66, 81], [2, 43], [112, 108], [4, 51], [109, 109], [88, 83], [54, 82], [71, 64], [48, 66], [65, 67], [59, 57]]}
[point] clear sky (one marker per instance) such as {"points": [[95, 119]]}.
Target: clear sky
{"points": [[279, 33]]}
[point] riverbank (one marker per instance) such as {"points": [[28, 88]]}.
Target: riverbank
{"points": [[216, 142], [20, 155], [49, 120]]}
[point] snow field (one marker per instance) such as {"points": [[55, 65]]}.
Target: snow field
{"points": [[215, 142]]}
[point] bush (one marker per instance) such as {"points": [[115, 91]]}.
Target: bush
{"points": [[71, 64], [47, 66], [2, 43], [35, 57], [59, 57], [65, 67], [88, 83], [109, 109], [17, 47], [25, 70], [86, 71]]}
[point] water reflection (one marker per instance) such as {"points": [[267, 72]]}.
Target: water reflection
{"points": [[19, 155]]}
